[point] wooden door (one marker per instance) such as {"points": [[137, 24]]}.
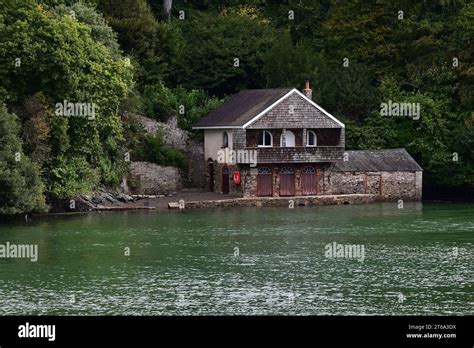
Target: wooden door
{"points": [[211, 176], [309, 184], [264, 182], [287, 181]]}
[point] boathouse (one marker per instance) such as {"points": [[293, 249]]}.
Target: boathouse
{"points": [[279, 142]]}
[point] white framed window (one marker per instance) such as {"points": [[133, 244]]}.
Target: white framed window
{"points": [[225, 140], [289, 139], [311, 139], [265, 139]]}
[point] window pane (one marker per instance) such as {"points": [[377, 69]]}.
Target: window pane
{"points": [[268, 139], [260, 138], [225, 140]]}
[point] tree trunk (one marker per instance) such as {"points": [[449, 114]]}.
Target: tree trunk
{"points": [[167, 4]]}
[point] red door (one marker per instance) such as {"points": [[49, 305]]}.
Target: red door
{"points": [[287, 181], [309, 184], [264, 182], [225, 180]]}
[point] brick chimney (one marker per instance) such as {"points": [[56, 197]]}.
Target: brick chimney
{"points": [[307, 91]]}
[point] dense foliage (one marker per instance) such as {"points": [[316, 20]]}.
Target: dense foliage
{"points": [[152, 149], [129, 55], [57, 56], [21, 188]]}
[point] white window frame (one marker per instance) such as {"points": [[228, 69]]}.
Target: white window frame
{"points": [[225, 139], [281, 138], [271, 139], [315, 139]]}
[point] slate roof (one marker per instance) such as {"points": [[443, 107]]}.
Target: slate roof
{"points": [[378, 160], [242, 107]]}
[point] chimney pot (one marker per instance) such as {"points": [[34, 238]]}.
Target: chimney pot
{"points": [[307, 90]]}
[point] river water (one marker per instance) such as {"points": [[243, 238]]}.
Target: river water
{"points": [[415, 260]]}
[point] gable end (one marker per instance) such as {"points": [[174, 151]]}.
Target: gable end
{"points": [[294, 110]]}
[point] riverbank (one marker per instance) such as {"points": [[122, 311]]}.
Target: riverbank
{"points": [[194, 199], [109, 200]]}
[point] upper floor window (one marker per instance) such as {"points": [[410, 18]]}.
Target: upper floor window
{"points": [[265, 139], [311, 138], [225, 140], [289, 139]]}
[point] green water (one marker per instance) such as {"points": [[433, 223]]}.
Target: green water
{"points": [[183, 262]]}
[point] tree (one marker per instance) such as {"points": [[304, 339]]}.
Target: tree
{"points": [[224, 51], [135, 24], [67, 65], [155, 45], [21, 189], [287, 64], [36, 118], [167, 5], [100, 30], [161, 102]]}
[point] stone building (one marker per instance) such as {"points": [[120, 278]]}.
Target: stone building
{"points": [[279, 142]]}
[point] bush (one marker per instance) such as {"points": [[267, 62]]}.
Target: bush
{"points": [[72, 177], [159, 102], [152, 149]]}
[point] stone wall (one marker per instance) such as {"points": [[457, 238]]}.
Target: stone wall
{"points": [[151, 179], [385, 186], [283, 201], [249, 181], [176, 137], [388, 186]]}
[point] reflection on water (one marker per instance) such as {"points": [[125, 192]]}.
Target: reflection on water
{"points": [[418, 260]]}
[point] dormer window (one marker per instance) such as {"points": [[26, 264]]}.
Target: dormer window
{"points": [[311, 139], [265, 139], [225, 140]]}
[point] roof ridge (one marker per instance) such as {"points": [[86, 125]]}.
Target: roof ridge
{"points": [[267, 89]]}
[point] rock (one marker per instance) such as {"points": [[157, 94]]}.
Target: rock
{"points": [[124, 198], [173, 205]]}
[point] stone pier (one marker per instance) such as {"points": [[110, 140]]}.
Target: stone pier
{"points": [[281, 201]]}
